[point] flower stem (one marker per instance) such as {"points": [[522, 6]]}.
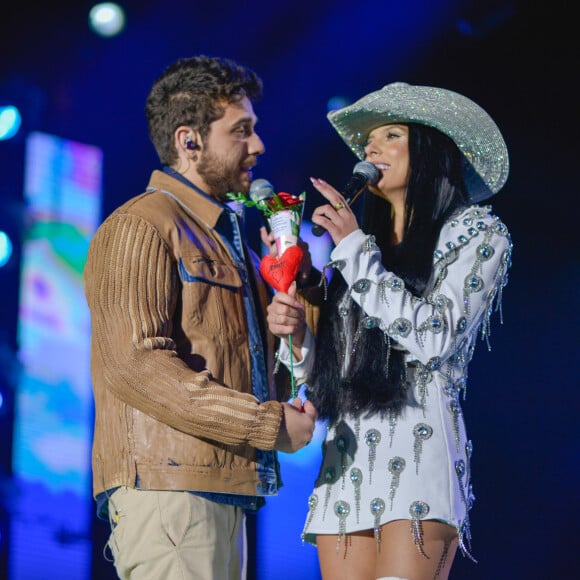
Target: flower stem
{"points": [[292, 382]]}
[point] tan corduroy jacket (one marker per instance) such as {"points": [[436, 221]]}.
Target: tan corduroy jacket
{"points": [[170, 360]]}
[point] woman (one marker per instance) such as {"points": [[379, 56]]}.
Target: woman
{"points": [[411, 289]]}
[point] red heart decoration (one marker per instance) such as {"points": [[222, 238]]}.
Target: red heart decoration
{"points": [[281, 272]]}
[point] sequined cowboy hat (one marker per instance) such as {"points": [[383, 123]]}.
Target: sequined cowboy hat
{"points": [[486, 162]]}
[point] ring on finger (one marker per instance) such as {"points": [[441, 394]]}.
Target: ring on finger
{"points": [[338, 206]]}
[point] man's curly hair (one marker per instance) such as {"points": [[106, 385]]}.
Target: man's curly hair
{"points": [[195, 91]]}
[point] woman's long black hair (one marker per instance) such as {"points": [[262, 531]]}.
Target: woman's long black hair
{"points": [[376, 380]]}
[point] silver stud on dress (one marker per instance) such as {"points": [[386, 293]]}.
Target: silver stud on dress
{"points": [[418, 511], [312, 503], [341, 509], [421, 432], [377, 509], [372, 439], [356, 477], [396, 466]]}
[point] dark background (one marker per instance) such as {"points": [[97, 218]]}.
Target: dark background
{"points": [[519, 60]]}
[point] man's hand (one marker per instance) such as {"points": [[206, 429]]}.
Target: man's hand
{"points": [[297, 427]]}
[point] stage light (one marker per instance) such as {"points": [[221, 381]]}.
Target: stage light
{"points": [[5, 248], [335, 103], [10, 121], [107, 19]]}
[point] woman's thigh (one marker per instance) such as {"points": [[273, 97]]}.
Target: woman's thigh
{"points": [[360, 557], [350, 557]]}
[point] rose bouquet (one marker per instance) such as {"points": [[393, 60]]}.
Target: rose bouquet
{"points": [[284, 214]]}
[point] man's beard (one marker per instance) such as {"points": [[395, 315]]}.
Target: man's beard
{"points": [[220, 177]]}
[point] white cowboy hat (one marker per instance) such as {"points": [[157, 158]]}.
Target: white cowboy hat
{"points": [[486, 162]]}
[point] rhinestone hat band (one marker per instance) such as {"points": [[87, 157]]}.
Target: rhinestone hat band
{"points": [[486, 162]]}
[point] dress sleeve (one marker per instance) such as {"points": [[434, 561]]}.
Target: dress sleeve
{"points": [[132, 286], [470, 267], [301, 368]]}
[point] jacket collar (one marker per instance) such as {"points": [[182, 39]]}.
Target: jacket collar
{"points": [[208, 209]]}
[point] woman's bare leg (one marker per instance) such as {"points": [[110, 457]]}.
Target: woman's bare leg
{"points": [[358, 558], [355, 559], [399, 556]]}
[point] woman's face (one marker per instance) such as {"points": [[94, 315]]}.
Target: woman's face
{"points": [[387, 148]]}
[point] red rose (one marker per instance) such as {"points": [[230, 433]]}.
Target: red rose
{"points": [[288, 199]]}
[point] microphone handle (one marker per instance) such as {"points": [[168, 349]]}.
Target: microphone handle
{"points": [[318, 230]]}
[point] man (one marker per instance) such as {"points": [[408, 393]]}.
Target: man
{"points": [[187, 419]]}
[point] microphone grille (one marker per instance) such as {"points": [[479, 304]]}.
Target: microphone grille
{"points": [[261, 189], [368, 170]]}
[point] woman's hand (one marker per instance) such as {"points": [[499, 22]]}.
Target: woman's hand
{"points": [[336, 217], [286, 317]]}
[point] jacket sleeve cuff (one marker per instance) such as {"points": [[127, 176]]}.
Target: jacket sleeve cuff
{"points": [[267, 426]]}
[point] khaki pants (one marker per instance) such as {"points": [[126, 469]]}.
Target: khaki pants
{"points": [[175, 535]]}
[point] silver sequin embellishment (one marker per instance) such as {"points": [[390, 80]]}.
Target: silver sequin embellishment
{"points": [[377, 509], [356, 477], [421, 432], [392, 426], [473, 283], [418, 511], [485, 251], [372, 439], [435, 324], [312, 503], [341, 509], [396, 284], [468, 454], [396, 467], [370, 322], [455, 409], [368, 244], [434, 363], [441, 302], [460, 471], [401, 327], [361, 286]]}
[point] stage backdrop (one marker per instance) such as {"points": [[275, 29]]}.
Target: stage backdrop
{"points": [[51, 519]]}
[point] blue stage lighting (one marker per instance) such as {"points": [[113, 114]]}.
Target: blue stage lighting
{"points": [[107, 19], [10, 121], [5, 248], [335, 103]]}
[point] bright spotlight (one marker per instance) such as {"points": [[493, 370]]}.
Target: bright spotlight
{"points": [[5, 248], [10, 121], [107, 19]]}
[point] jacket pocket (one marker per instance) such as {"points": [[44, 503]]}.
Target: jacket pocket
{"points": [[212, 295]]}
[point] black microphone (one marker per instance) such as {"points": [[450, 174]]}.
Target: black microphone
{"points": [[260, 191], [363, 174]]}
